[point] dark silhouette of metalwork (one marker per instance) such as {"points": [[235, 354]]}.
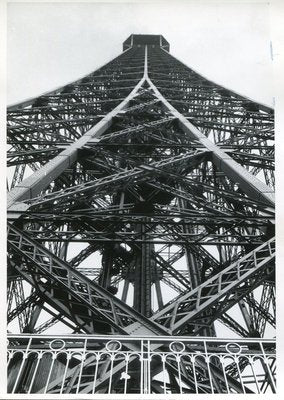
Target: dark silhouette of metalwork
{"points": [[141, 219]]}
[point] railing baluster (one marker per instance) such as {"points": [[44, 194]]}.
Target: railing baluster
{"points": [[25, 355], [39, 356], [205, 365]]}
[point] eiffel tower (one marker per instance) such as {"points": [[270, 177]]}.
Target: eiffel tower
{"points": [[141, 233]]}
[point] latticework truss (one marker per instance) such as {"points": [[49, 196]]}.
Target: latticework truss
{"points": [[141, 204]]}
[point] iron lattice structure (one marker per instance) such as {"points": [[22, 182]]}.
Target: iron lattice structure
{"points": [[141, 206]]}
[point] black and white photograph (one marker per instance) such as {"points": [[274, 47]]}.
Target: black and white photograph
{"points": [[140, 209]]}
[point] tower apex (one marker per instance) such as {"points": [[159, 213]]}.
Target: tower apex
{"points": [[142, 40]]}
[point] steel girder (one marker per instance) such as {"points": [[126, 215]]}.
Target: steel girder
{"points": [[49, 275], [132, 176], [173, 315]]}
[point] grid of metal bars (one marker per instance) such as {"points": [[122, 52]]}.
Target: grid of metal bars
{"points": [[202, 364], [147, 165]]}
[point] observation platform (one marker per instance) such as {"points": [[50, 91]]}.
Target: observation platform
{"points": [[142, 40]]}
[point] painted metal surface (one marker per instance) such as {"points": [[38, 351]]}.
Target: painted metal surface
{"points": [[242, 365], [141, 203]]}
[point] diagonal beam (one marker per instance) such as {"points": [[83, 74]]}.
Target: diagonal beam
{"points": [[33, 298], [246, 268], [228, 321], [165, 265], [252, 186], [32, 185], [62, 284], [127, 177], [41, 268], [55, 267], [241, 274], [260, 310]]}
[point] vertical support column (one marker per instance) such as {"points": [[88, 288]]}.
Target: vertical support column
{"points": [[107, 263], [143, 274], [192, 265], [194, 272], [145, 368]]}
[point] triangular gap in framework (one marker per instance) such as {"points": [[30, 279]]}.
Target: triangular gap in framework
{"points": [[153, 191]]}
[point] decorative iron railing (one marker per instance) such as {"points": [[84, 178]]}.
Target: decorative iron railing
{"points": [[121, 364]]}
